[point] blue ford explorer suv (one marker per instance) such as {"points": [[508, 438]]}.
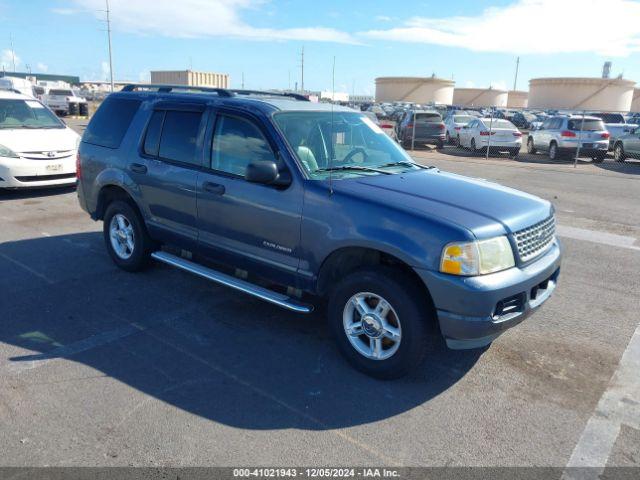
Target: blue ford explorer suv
{"points": [[299, 203]]}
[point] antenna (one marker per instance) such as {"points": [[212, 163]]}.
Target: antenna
{"points": [[332, 151], [109, 37], [13, 52]]}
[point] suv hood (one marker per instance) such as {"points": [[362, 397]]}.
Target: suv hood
{"points": [[485, 208], [38, 140]]}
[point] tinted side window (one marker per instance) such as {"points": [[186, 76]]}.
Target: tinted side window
{"points": [[152, 139], [179, 136], [236, 143], [109, 124]]}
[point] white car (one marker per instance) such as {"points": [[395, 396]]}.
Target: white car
{"points": [[36, 148], [495, 134], [64, 101], [453, 124]]}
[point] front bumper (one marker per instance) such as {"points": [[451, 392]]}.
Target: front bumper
{"points": [[468, 307], [25, 173]]}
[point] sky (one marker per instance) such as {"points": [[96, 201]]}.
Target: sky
{"points": [[476, 43]]}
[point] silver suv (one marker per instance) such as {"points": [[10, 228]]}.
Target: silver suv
{"points": [[560, 136]]}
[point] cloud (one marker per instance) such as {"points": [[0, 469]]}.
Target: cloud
{"points": [[555, 26], [42, 67], [383, 18], [8, 58], [201, 19], [64, 11]]}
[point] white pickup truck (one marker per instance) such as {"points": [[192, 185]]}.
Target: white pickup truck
{"points": [[616, 126], [64, 101]]}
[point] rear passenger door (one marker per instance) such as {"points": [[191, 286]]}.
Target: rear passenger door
{"points": [[166, 170], [247, 225]]}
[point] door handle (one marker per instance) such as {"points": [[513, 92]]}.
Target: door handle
{"points": [[138, 168], [214, 188]]}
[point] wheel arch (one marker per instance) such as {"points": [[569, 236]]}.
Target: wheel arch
{"points": [[345, 260]]}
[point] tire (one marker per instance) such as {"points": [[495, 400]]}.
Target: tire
{"points": [[474, 150], [449, 140], [514, 152], [407, 316], [530, 147], [458, 141], [618, 153], [553, 151], [439, 145], [126, 237]]}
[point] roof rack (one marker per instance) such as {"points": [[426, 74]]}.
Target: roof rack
{"points": [[295, 96], [222, 92], [132, 87]]}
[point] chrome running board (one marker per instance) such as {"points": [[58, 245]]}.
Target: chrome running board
{"points": [[233, 282]]}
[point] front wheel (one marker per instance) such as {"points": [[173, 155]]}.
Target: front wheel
{"points": [[379, 319], [126, 237]]}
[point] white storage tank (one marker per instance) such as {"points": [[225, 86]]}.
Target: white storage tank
{"points": [[414, 89], [517, 99], [480, 97], [635, 103], [580, 93]]}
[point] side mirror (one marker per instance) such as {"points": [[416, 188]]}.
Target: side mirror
{"points": [[266, 173]]}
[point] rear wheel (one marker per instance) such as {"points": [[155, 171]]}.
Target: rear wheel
{"points": [[458, 141], [379, 320], [449, 141], [474, 150], [126, 237], [439, 144], [618, 153], [599, 157], [513, 153], [553, 151], [530, 147]]}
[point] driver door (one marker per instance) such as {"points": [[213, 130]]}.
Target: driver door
{"points": [[246, 225]]}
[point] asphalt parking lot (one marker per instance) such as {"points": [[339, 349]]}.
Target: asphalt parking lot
{"points": [[102, 367]]}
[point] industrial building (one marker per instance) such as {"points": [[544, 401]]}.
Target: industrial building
{"points": [[414, 89], [635, 103], [480, 97], [580, 93], [517, 99], [190, 78]]}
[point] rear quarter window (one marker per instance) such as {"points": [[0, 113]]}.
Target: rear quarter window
{"points": [[110, 123]]}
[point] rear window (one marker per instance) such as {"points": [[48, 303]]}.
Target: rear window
{"points": [[462, 118], [589, 125], [66, 93], [109, 125], [499, 124], [428, 117]]}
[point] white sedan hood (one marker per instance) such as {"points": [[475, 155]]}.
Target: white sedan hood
{"points": [[39, 140]]}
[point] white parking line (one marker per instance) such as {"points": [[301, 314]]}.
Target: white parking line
{"points": [[595, 236], [619, 404], [27, 268]]}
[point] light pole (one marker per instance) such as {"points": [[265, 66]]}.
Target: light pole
{"points": [[109, 37]]}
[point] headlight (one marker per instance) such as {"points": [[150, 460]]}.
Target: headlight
{"points": [[7, 152], [477, 258]]}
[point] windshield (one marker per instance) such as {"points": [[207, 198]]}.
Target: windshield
{"points": [[16, 113], [341, 140]]}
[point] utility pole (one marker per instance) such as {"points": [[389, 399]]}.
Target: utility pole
{"points": [[243, 80], [515, 80], [13, 52], [109, 37], [302, 70]]}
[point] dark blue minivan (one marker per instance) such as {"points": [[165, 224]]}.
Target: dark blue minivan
{"points": [[299, 203]]}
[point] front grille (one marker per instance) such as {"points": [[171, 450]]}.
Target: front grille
{"points": [[43, 178], [47, 155], [536, 239]]}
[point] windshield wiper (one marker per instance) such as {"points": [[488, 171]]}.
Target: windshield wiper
{"points": [[353, 167], [405, 163]]}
